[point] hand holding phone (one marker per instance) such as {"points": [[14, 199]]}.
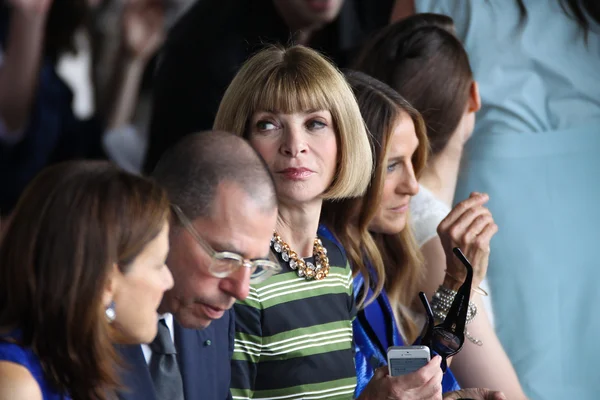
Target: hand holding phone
{"points": [[403, 360], [426, 384]]}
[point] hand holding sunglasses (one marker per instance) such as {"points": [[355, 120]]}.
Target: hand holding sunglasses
{"points": [[447, 338], [469, 226]]}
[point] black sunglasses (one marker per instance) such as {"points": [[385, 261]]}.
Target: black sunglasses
{"points": [[447, 338]]}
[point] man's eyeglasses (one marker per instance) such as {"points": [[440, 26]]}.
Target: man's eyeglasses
{"points": [[224, 263], [447, 338]]}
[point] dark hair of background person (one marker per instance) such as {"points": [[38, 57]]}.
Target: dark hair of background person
{"points": [[64, 19], [193, 168], [423, 60], [580, 10], [395, 260], [71, 225]]}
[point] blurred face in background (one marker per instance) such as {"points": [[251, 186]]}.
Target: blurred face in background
{"points": [[307, 13]]}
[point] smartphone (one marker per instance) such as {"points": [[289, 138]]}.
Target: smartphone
{"points": [[403, 360]]}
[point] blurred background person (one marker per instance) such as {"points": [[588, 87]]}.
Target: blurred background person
{"points": [[39, 120], [534, 151], [127, 144], [210, 42]]}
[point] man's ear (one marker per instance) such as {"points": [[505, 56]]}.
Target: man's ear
{"points": [[474, 98]]}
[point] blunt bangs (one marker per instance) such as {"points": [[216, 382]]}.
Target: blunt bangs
{"points": [[296, 87]]}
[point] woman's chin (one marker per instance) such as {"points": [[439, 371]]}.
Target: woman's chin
{"points": [[139, 335], [389, 227]]}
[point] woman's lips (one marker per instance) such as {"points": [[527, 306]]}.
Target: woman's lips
{"points": [[296, 174], [400, 209]]}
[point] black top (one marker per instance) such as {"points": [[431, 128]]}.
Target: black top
{"points": [[212, 40]]}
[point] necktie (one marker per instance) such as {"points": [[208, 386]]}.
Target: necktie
{"points": [[163, 366]]}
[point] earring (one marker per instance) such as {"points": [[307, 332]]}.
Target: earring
{"points": [[110, 312]]}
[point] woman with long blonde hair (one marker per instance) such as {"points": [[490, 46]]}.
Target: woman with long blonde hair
{"points": [[374, 230], [423, 60]]}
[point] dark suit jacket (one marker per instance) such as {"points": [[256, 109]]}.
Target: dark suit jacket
{"points": [[204, 358]]}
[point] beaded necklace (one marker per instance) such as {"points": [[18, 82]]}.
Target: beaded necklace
{"points": [[319, 270]]}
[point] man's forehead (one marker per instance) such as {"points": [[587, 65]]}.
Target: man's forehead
{"points": [[248, 246], [247, 234], [235, 207]]}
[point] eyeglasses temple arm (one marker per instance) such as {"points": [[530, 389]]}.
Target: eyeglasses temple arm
{"points": [[457, 315], [190, 228], [426, 339]]}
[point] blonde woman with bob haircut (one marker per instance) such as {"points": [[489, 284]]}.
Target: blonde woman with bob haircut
{"points": [[299, 78], [294, 331]]}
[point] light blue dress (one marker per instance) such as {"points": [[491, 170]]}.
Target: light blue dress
{"points": [[536, 151]]}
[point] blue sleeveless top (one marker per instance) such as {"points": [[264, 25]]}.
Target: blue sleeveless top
{"points": [[17, 354], [375, 330]]}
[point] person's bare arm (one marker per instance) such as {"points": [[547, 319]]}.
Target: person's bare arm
{"points": [[21, 61], [435, 269], [17, 383], [143, 33], [470, 226], [488, 365]]}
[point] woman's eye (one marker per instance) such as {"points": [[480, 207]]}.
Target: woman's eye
{"points": [[315, 124], [393, 166], [265, 126]]}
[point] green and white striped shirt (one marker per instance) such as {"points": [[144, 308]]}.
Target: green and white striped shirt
{"points": [[294, 337]]}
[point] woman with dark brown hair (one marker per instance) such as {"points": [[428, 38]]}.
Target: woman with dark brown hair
{"points": [[82, 266]]}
